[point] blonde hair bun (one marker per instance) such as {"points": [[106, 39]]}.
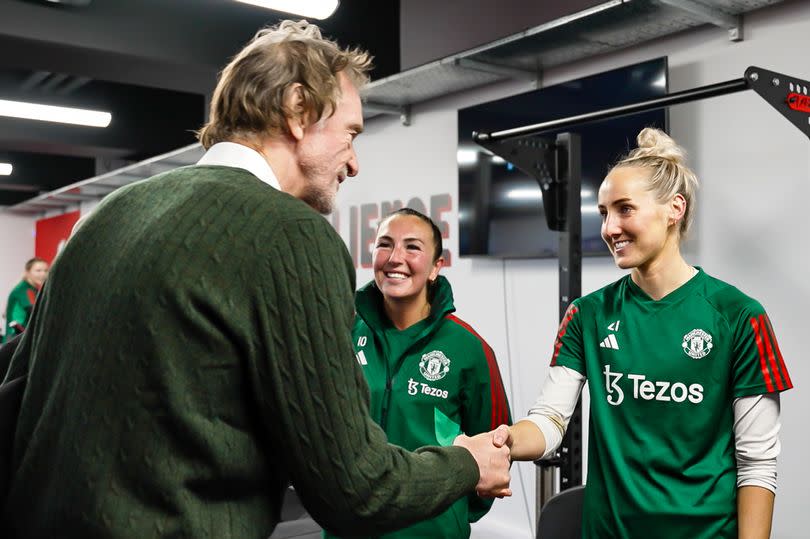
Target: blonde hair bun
{"points": [[657, 144]]}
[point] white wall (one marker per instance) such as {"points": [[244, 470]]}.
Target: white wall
{"points": [[755, 171], [16, 246]]}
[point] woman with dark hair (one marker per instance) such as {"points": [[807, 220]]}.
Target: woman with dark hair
{"points": [[432, 377], [23, 296]]}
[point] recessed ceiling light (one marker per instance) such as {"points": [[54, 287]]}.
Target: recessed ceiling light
{"points": [[5, 169], [315, 9], [70, 2], [50, 113]]}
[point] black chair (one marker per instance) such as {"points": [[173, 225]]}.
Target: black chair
{"points": [[561, 517], [6, 351]]}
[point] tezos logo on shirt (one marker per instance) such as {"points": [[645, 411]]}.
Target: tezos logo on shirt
{"points": [[434, 365], [413, 389], [650, 390]]}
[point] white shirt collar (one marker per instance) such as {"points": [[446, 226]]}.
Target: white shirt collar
{"points": [[231, 154]]}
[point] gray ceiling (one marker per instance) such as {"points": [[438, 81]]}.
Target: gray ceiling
{"points": [[149, 62], [153, 62]]}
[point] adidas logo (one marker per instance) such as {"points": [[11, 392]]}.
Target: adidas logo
{"points": [[609, 342]]}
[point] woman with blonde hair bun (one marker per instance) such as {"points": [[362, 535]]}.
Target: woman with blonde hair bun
{"points": [[684, 370]]}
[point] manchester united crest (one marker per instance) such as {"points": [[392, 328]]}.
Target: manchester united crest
{"points": [[697, 344], [434, 365]]}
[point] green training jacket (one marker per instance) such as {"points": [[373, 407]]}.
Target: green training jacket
{"points": [[18, 309], [429, 383]]}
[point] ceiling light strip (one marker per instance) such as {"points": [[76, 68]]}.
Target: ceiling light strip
{"points": [[5, 169], [315, 9], [51, 113]]}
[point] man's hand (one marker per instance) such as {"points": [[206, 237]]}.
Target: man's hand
{"points": [[493, 464]]}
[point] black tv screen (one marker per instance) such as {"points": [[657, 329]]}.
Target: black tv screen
{"points": [[516, 226]]}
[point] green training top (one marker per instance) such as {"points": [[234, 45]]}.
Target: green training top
{"points": [[18, 309], [663, 376]]}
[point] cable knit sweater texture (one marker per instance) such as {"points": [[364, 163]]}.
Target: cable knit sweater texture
{"points": [[189, 356]]}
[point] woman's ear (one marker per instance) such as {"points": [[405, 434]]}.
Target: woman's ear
{"points": [[677, 209], [294, 110], [434, 272]]}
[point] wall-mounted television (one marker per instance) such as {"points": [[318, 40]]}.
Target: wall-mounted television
{"points": [[516, 225]]}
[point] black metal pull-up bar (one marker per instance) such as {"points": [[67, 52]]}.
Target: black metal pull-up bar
{"points": [[789, 95]]}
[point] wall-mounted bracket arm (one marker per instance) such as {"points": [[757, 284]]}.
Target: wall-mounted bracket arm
{"points": [[403, 112], [787, 94], [732, 23]]}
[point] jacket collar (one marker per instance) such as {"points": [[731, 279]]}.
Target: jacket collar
{"points": [[369, 304]]}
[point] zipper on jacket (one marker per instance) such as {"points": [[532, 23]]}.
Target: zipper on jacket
{"points": [[386, 399], [389, 379]]}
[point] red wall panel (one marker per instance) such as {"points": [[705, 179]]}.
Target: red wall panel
{"points": [[52, 232]]}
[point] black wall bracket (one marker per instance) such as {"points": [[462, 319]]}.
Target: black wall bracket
{"points": [[555, 164], [789, 95], [547, 161]]}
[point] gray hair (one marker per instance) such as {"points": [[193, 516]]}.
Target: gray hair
{"points": [[249, 99]]}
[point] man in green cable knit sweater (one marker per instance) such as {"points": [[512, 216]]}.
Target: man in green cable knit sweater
{"points": [[190, 354]]}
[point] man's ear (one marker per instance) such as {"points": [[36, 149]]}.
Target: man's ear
{"points": [[294, 110]]}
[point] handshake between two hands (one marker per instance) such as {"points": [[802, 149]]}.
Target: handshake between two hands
{"points": [[491, 452]]}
